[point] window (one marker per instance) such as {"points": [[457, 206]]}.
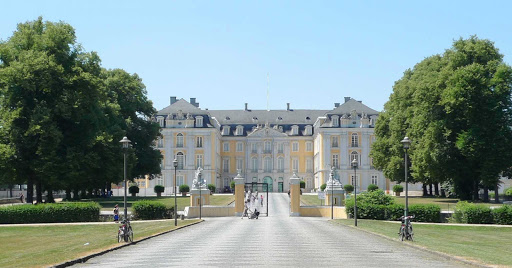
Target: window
{"points": [[267, 147], [181, 160], [239, 164], [309, 165], [225, 164], [225, 130], [355, 140], [180, 180], [334, 142], [160, 121], [160, 181], [254, 148], [179, 140], [353, 156], [280, 148], [309, 130], [199, 121], [335, 120], [375, 179], [267, 164], [295, 165], [352, 180], [225, 146], [309, 146], [160, 143], [239, 130], [335, 161], [280, 164], [199, 142], [295, 130], [199, 161], [254, 161], [239, 147], [295, 147]]}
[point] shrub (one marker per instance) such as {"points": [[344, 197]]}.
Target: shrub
{"points": [[425, 213], [134, 189], [151, 210], [184, 188], [232, 185], [502, 215], [398, 188], [348, 188], [508, 191], [302, 184], [45, 213], [372, 187], [394, 212], [472, 213], [212, 188], [323, 186], [159, 189]]}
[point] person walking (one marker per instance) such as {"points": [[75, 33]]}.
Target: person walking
{"points": [[116, 213], [261, 200]]}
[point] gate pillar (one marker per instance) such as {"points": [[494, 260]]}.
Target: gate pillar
{"points": [[294, 195], [239, 194]]}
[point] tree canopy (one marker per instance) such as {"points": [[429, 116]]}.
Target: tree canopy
{"points": [[456, 109]]}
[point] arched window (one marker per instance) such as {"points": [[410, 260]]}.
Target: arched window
{"points": [[267, 164], [181, 160], [355, 140], [354, 155], [254, 164], [179, 140], [280, 164]]}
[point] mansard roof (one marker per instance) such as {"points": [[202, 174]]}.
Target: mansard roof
{"points": [[350, 105], [184, 106], [280, 117]]}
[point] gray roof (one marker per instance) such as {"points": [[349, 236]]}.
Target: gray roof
{"points": [[281, 117], [182, 105], [352, 104]]}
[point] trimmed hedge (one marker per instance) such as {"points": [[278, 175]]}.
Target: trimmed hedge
{"points": [[476, 213], [151, 210], [48, 213], [323, 186], [502, 215], [212, 188], [425, 213]]}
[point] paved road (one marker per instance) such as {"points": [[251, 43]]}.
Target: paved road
{"points": [[277, 240]]}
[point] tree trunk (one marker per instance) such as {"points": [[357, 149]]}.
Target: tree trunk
{"points": [[76, 196], [475, 191], [39, 192], [30, 191], [486, 194], [425, 193], [430, 189], [436, 188], [68, 194], [10, 190], [496, 194], [49, 196]]}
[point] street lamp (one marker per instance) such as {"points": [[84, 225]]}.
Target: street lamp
{"points": [[406, 142], [332, 193], [354, 165], [126, 144], [175, 164], [200, 196]]}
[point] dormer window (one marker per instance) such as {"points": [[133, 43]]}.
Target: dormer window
{"points": [[199, 121], [225, 130], [255, 119], [160, 121], [335, 120], [279, 118], [308, 118], [309, 130], [227, 118], [295, 130], [239, 130]]}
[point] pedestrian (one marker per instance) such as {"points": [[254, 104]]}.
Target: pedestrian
{"points": [[116, 213], [261, 200], [22, 198]]}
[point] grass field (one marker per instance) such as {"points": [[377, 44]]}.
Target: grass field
{"points": [[108, 204], [311, 200], [36, 246], [490, 245]]}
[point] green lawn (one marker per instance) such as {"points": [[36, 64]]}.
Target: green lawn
{"points": [[108, 204], [444, 203], [490, 245], [46, 245], [311, 200]]}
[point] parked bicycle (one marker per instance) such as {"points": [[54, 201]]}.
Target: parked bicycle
{"points": [[406, 228], [125, 232]]}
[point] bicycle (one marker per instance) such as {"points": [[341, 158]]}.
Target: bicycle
{"points": [[125, 232], [406, 229]]}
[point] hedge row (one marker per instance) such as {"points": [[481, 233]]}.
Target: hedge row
{"points": [[422, 213], [480, 214], [46, 213], [151, 210]]}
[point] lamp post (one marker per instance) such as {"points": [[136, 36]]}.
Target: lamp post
{"points": [[200, 196], [354, 165], [332, 192], [126, 144], [406, 142], [175, 164]]}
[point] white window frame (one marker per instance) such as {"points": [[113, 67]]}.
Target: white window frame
{"points": [[280, 164], [355, 155], [254, 164], [334, 142], [309, 165], [181, 160], [225, 164], [335, 161], [335, 120], [225, 130], [309, 146], [160, 121], [199, 142], [374, 179], [160, 143], [295, 146], [267, 147], [254, 148], [295, 164], [180, 140], [199, 121], [199, 161], [180, 180], [225, 146], [309, 130], [239, 130], [239, 146], [295, 130], [267, 164], [239, 164], [355, 140], [280, 148]]}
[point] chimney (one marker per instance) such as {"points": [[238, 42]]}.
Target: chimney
{"points": [[347, 99], [193, 102], [287, 106], [173, 100], [246, 106], [336, 104]]}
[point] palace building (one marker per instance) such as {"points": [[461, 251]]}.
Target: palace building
{"points": [[267, 146]]}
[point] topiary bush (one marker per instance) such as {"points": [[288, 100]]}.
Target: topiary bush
{"points": [[398, 188], [508, 193], [212, 188], [502, 215], [151, 210], [425, 213], [302, 184], [184, 188], [348, 188], [372, 187], [159, 189], [134, 189], [472, 213], [46, 213], [323, 186]]}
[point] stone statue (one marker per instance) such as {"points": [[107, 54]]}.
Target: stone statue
{"points": [[199, 182], [333, 182]]}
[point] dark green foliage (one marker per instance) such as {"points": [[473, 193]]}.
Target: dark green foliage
{"points": [[45, 213], [134, 189], [503, 215], [472, 213], [425, 213], [372, 187], [302, 184], [348, 188], [398, 188], [184, 188], [232, 184], [212, 188], [159, 189], [151, 210], [394, 212], [508, 191], [323, 186]]}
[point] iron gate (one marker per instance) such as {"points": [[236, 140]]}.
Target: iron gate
{"points": [[258, 201]]}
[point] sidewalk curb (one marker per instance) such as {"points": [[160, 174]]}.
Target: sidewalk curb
{"points": [[86, 258], [441, 254]]}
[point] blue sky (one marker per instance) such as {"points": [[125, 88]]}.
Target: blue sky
{"points": [[316, 52]]}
